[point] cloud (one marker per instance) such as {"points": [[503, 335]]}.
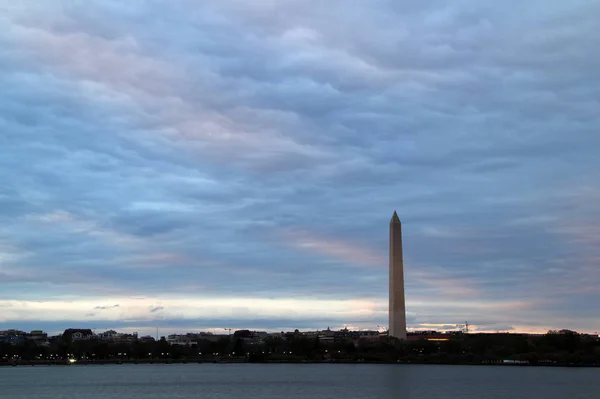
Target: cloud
{"points": [[106, 307], [337, 249], [256, 150]]}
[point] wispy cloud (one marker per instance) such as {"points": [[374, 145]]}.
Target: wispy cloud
{"points": [[106, 307], [351, 253]]}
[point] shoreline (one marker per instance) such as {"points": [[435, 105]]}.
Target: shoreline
{"points": [[243, 361]]}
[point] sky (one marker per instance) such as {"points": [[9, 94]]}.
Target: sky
{"points": [[205, 165]]}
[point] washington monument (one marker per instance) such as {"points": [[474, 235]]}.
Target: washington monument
{"points": [[397, 306]]}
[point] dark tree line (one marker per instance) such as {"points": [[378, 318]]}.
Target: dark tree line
{"points": [[564, 347]]}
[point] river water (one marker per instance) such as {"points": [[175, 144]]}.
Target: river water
{"points": [[314, 381]]}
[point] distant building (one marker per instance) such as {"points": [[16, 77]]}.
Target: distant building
{"points": [[126, 338], [109, 335], [182, 340], [39, 337], [369, 335], [12, 333], [326, 336], [78, 334], [250, 337], [113, 336], [12, 337], [207, 336], [429, 336]]}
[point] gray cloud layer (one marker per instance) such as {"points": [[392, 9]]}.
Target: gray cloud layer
{"points": [[237, 149]]}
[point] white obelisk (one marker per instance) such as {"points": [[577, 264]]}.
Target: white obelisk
{"points": [[397, 310]]}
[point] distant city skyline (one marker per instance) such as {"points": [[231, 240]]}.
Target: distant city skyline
{"points": [[235, 164]]}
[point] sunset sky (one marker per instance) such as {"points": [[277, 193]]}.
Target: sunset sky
{"points": [[199, 165]]}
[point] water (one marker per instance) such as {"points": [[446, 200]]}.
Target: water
{"points": [[314, 381]]}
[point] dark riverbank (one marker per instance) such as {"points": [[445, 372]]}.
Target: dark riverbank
{"points": [[279, 361], [555, 349]]}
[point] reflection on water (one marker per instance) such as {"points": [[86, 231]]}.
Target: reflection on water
{"points": [[275, 381]]}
